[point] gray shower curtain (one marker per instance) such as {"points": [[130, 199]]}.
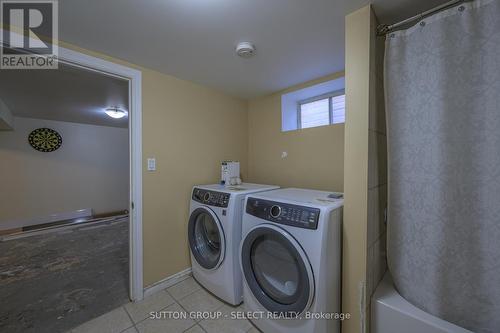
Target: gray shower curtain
{"points": [[442, 81]]}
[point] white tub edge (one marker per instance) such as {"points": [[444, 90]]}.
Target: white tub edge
{"points": [[391, 313]]}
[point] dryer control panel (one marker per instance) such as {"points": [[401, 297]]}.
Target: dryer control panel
{"points": [[211, 198], [283, 213]]}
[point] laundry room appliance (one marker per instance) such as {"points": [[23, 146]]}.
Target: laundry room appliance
{"points": [[291, 260], [214, 234]]}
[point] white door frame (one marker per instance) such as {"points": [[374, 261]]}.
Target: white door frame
{"points": [[134, 77]]}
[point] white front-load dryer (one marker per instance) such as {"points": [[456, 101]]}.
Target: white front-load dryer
{"points": [[291, 260], [214, 235]]}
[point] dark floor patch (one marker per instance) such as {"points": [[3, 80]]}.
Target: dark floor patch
{"points": [[56, 281]]}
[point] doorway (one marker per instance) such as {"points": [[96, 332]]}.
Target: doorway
{"points": [[132, 77]]}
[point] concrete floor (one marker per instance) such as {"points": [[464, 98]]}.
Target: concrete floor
{"points": [[55, 281]]}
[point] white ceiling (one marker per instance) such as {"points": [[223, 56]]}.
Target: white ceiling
{"points": [[296, 40], [66, 94]]}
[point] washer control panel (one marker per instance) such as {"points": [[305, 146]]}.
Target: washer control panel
{"points": [[211, 198], [283, 213]]}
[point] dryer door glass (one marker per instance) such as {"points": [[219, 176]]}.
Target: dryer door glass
{"points": [[277, 271], [206, 239]]}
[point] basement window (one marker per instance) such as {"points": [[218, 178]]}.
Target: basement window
{"points": [[321, 110], [319, 105]]}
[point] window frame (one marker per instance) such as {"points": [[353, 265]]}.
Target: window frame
{"points": [[329, 95]]}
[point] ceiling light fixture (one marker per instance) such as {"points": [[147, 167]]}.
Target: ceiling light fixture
{"points": [[115, 112], [245, 49]]}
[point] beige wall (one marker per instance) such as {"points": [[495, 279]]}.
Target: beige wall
{"points": [[190, 129], [90, 170], [356, 169], [315, 155]]}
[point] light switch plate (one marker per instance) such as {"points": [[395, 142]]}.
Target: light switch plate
{"points": [[152, 164]]}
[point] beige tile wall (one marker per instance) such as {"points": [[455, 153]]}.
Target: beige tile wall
{"points": [[365, 177], [356, 169], [377, 169]]}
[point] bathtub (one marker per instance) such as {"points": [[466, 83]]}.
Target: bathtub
{"points": [[391, 313]]}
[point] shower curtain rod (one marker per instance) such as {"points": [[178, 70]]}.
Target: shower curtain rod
{"points": [[383, 29]]}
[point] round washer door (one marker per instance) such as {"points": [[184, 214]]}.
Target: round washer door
{"points": [[277, 271], [206, 238]]}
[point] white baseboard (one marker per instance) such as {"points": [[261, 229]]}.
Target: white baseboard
{"points": [[86, 212], [167, 282]]}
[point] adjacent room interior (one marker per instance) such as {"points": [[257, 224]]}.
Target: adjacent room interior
{"points": [[64, 226]]}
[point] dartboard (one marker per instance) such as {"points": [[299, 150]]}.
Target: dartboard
{"points": [[45, 140]]}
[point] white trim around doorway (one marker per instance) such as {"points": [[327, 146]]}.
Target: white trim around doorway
{"points": [[134, 77], [135, 137]]}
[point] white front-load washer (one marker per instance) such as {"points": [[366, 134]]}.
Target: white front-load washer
{"points": [[291, 260], [214, 234]]}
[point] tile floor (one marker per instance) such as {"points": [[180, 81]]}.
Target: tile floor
{"points": [[185, 296]]}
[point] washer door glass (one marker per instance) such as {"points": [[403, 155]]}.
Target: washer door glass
{"points": [[277, 271], [206, 238]]}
